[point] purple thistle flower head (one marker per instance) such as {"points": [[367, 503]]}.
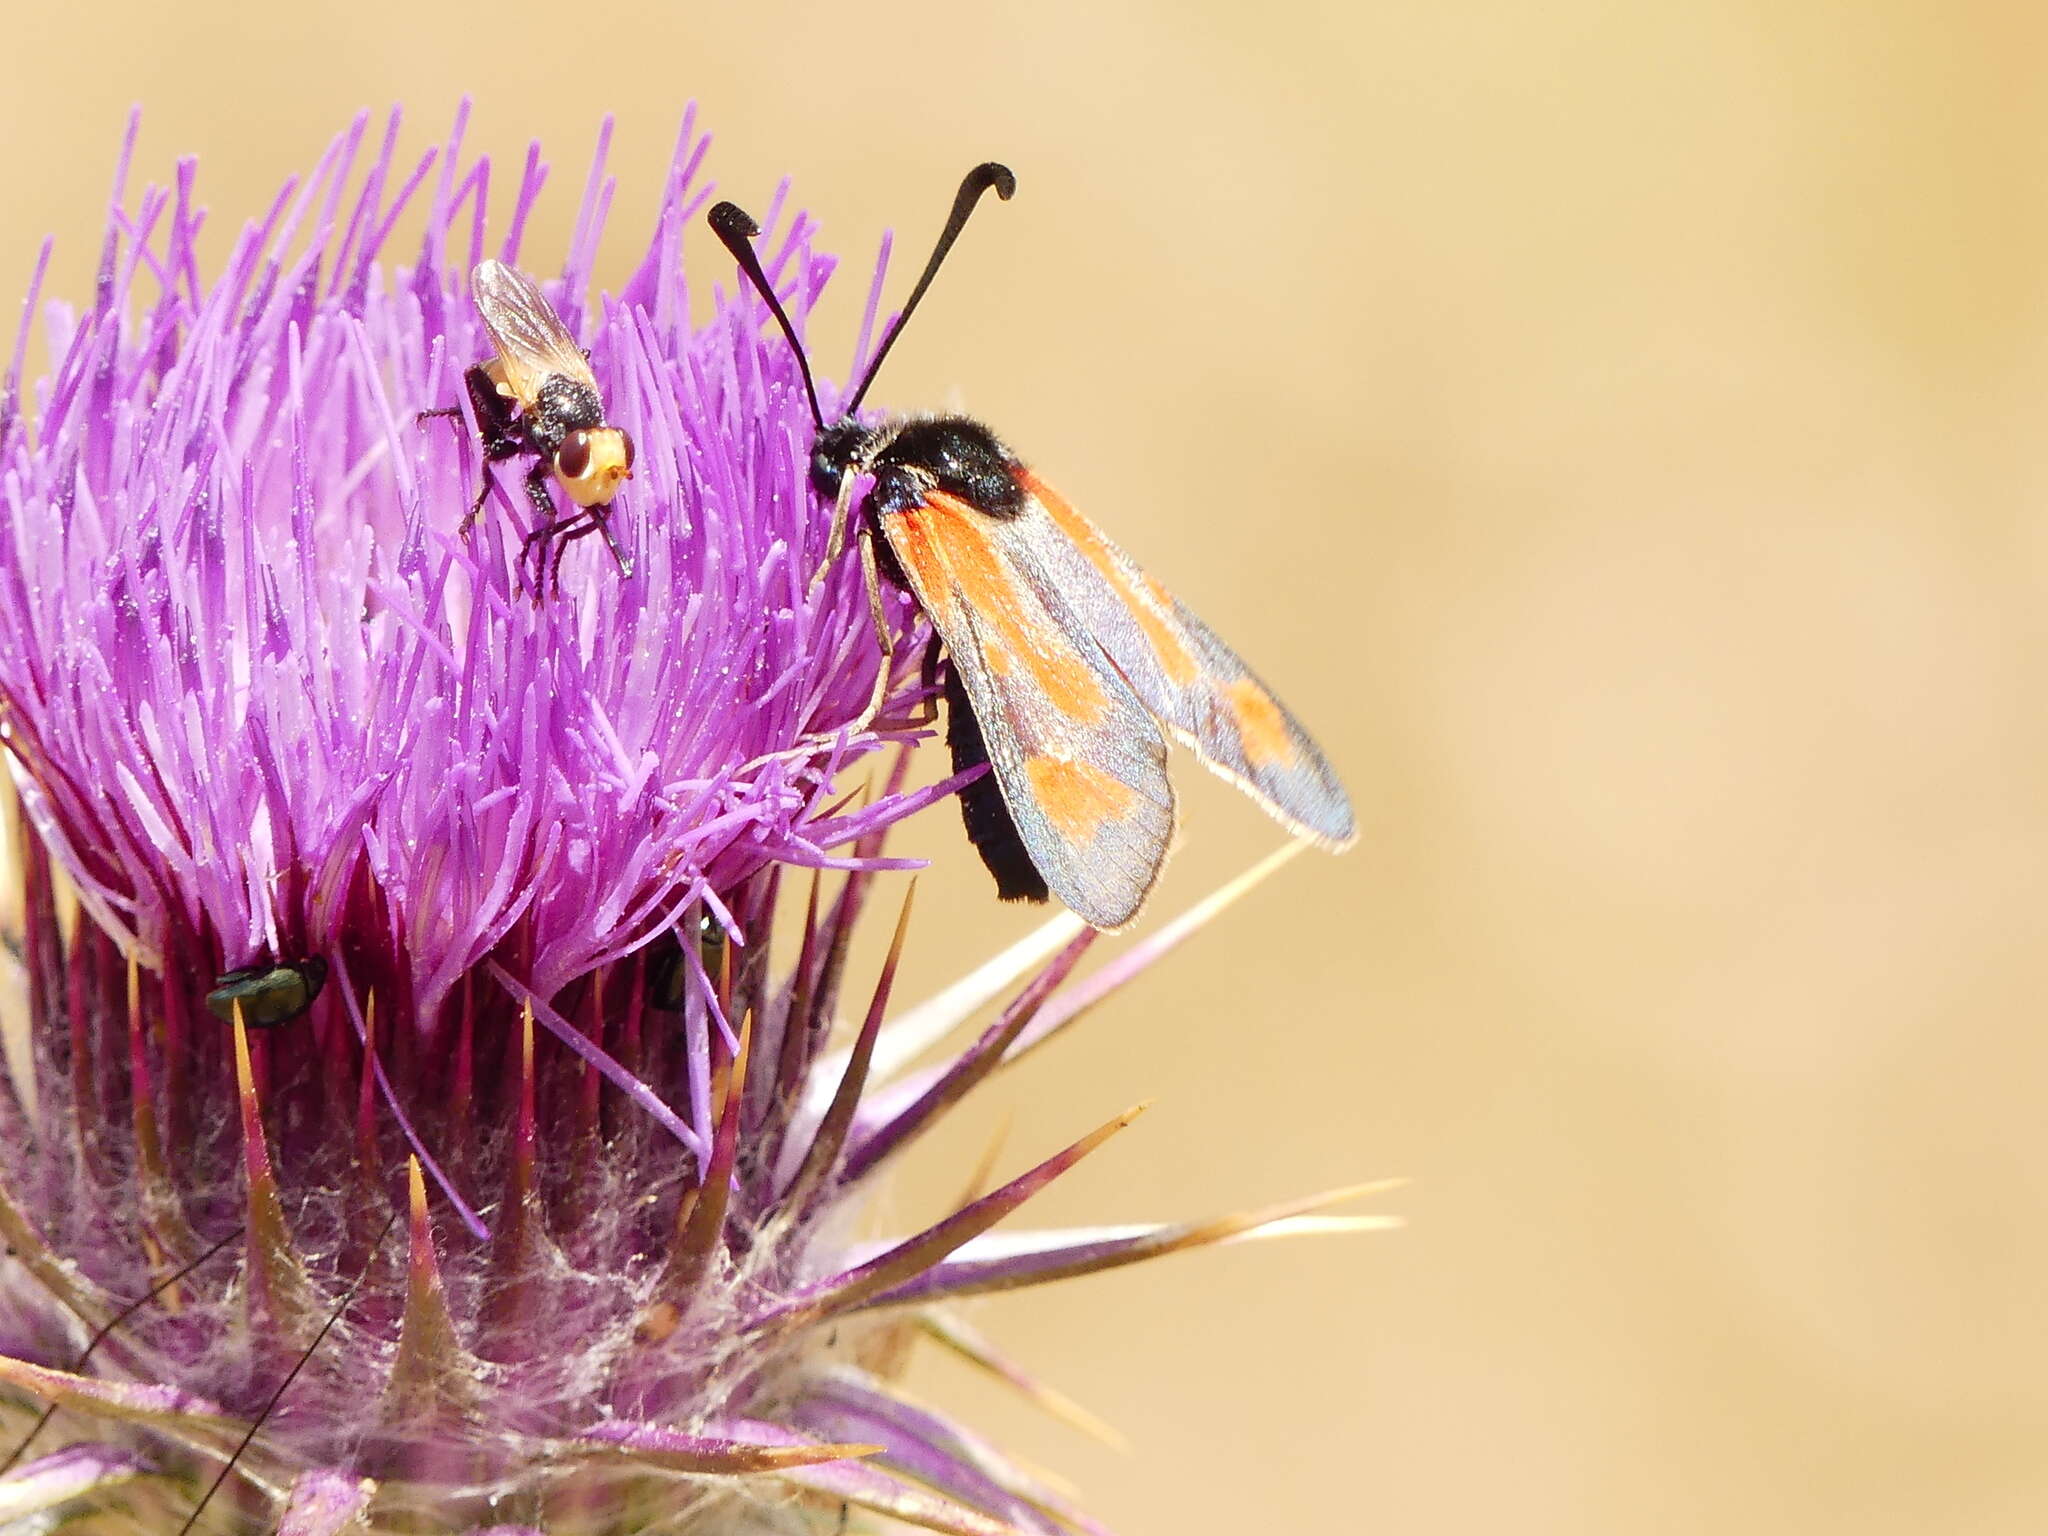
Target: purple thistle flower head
{"points": [[270, 696], [531, 1212]]}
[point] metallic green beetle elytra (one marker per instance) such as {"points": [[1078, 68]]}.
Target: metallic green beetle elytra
{"points": [[269, 994]]}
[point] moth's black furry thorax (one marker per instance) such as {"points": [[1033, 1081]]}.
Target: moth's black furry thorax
{"points": [[952, 454]]}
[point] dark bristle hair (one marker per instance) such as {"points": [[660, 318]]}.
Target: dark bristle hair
{"points": [[290, 1376], [106, 1330]]}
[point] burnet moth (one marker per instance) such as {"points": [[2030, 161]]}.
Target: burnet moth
{"points": [[1069, 666]]}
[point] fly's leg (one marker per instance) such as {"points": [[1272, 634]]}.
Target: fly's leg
{"points": [[498, 429], [502, 433], [497, 420], [567, 533], [535, 544], [601, 520], [493, 412]]}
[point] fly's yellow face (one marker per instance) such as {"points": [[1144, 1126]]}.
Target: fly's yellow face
{"points": [[591, 463]]}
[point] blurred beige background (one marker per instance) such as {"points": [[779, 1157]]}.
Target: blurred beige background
{"points": [[1618, 430]]}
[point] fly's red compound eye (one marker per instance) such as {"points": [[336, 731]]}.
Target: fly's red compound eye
{"points": [[572, 459], [626, 438]]}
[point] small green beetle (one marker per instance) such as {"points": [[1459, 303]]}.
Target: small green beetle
{"points": [[666, 971], [269, 994]]}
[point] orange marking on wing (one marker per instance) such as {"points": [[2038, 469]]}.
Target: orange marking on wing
{"points": [[1077, 797], [1175, 657], [1260, 725], [913, 539], [942, 538]]}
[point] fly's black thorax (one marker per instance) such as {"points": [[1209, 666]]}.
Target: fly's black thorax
{"points": [[913, 459], [560, 407]]}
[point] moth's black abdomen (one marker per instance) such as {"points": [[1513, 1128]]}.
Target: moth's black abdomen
{"points": [[989, 824], [963, 458]]}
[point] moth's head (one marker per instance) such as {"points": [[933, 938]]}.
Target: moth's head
{"points": [[591, 462], [834, 454]]}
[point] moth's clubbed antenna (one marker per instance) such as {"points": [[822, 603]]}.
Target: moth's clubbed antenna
{"points": [[736, 228], [977, 181]]}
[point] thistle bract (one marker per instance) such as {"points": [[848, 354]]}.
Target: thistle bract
{"points": [[529, 1209]]}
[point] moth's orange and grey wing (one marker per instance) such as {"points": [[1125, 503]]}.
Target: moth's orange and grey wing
{"points": [[531, 341], [1199, 688], [1079, 759]]}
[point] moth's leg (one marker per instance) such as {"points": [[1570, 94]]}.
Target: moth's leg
{"points": [[871, 577], [842, 512], [928, 680]]}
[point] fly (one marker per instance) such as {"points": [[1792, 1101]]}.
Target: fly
{"points": [[537, 397]]}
